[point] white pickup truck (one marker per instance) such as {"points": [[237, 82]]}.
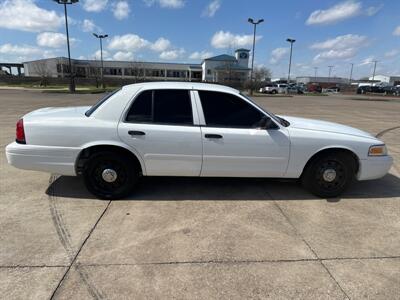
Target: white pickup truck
{"points": [[191, 129]]}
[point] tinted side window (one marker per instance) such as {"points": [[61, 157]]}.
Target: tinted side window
{"points": [[172, 107], [225, 110], [162, 107], [140, 110]]}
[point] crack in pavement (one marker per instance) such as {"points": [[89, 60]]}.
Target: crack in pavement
{"points": [[65, 239], [308, 245]]}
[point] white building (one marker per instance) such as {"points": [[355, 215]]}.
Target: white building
{"points": [[390, 80], [214, 69]]}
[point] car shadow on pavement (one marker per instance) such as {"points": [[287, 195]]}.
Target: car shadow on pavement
{"points": [[185, 188]]}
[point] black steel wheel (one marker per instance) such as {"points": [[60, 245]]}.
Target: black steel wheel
{"points": [[329, 175], [110, 175]]}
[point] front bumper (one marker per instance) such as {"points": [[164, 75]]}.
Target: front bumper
{"points": [[57, 160], [374, 167]]}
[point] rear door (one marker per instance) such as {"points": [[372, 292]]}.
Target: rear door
{"points": [[161, 125], [234, 145]]}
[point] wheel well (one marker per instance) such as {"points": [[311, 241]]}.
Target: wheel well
{"points": [[331, 151], [87, 152]]}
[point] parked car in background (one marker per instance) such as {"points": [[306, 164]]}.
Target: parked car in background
{"points": [[274, 88], [378, 89], [392, 90], [314, 88], [295, 89]]}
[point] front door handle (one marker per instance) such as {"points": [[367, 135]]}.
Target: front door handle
{"points": [[213, 136], [134, 132]]}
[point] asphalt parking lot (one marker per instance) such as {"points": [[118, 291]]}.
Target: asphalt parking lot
{"points": [[201, 238]]}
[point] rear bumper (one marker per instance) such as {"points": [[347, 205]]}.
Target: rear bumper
{"points": [[57, 160], [374, 167]]}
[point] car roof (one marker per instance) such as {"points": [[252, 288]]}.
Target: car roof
{"points": [[180, 85]]}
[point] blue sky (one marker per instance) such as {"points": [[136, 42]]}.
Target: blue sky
{"points": [[327, 32]]}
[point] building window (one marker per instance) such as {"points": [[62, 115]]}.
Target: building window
{"points": [[208, 71]]}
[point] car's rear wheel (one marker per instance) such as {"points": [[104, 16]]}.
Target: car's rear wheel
{"points": [[329, 175], [110, 175], [273, 92]]}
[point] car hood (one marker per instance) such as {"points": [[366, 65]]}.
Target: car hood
{"points": [[57, 112], [318, 125]]}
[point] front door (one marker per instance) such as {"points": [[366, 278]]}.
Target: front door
{"points": [[159, 125], [234, 145]]}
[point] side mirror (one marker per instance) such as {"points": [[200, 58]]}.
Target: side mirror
{"points": [[266, 123]]}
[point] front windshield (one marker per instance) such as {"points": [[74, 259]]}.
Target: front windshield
{"points": [[280, 120]]}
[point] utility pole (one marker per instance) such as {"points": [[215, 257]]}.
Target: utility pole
{"points": [[315, 73], [291, 41], [101, 37], [251, 21], [373, 74], [330, 71], [351, 73], [71, 73]]}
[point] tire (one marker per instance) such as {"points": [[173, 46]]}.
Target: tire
{"points": [[107, 185], [273, 92], [327, 176]]}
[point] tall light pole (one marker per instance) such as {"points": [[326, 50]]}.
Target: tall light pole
{"points": [[351, 72], [250, 20], [101, 37], [330, 71], [71, 73], [291, 41], [373, 74]]}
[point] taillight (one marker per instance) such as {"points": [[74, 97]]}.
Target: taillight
{"points": [[20, 136]]}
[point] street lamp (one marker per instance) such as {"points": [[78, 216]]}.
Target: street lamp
{"points": [[250, 20], [291, 41], [101, 37], [71, 74]]}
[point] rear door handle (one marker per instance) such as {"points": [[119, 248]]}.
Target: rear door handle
{"points": [[134, 132], [213, 136]]}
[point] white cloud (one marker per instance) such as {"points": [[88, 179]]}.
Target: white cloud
{"points": [[161, 45], [340, 47], [392, 53], [200, 55], [94, 5], [277, 54], [397, 31], [123, 56], [211, 8], [373, 10], [89, 26], [53, 39], [341, 42], [121, 10], [25, 15], [172, 54], [24, 50], [166, 3], [336, 54], [339, 12], [128, 42], [222, 39], [97, 55], [367, 61]]}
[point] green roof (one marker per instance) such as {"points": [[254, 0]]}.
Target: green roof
{"points": [[222, 57]]}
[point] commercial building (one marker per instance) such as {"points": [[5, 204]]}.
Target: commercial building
{"points": [[214, 69], [390, 80], [322, 80]]}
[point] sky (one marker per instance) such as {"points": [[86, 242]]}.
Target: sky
{"points": [[327, 32]]}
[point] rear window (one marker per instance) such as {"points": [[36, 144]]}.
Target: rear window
{"points": [[100, 102]]}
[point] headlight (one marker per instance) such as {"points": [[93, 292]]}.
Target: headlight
{"points": [[377, 150]]}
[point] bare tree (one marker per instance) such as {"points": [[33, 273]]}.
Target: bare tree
{"points": [[261, 75]]}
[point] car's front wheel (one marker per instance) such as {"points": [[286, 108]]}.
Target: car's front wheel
{"points": [[329, 175], [110, 175]]}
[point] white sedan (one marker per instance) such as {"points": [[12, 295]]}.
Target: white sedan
{"points": [[191, 129]]}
